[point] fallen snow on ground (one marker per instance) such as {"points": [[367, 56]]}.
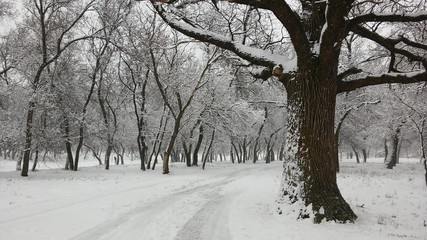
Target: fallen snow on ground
{"points": [[226, 201]]}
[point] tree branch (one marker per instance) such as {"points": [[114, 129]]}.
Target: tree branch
{"points": [[253, 3], [253, 55], [5, 70], [293, 24], [348, 72], [403, 78], [388, 43], [391, 17], [412, 43]]}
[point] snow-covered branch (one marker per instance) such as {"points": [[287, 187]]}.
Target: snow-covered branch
{"points": [[403, 78], [253, 55]]}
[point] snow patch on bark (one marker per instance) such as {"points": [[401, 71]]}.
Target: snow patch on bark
{"points": [[292, 184]]}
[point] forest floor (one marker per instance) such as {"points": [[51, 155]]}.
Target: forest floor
{"points": [[224, 202]]}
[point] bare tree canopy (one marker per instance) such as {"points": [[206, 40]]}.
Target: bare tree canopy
{"points": [[316, 30]]}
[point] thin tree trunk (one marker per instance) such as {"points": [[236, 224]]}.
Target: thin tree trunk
{"points": [[236, 152], [197, 147], [159, 137], [142, 149], [209, 149], [19, 162], [187, 153], [392, 157], [356, 154], [69, 164], [282, 152], [107, 156], [36, 160], [160, 143], [82, 123], [399, 147], [28, 139], [172, 141], [385, 150], [95, 154], [256, 148], [364, 154]]}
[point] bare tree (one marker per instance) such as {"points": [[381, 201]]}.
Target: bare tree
{"points": [[55, 35], [312, 79]]}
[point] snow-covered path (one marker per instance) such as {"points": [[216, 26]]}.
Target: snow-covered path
{"points": [[124, 204], [224, 202], [199, 207]]}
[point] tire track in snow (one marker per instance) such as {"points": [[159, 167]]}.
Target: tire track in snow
{"points": [[72, 202], [135, 223], [211, 222]]}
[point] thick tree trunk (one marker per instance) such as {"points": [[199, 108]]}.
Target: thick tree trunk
{"points": [[309, 178]]}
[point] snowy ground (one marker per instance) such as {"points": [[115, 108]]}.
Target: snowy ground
{"points": [[223, 202]]}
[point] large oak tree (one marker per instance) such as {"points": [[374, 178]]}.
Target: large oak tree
{"points": [[312, 79]]}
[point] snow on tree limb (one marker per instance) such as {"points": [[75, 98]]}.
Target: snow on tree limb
{"points": [[253, 55], [403, 78]]}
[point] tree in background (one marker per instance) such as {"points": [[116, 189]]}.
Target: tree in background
{"points": [[53, 32]]}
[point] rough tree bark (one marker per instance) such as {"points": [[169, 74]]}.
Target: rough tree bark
{"points": [[310, 162]]}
